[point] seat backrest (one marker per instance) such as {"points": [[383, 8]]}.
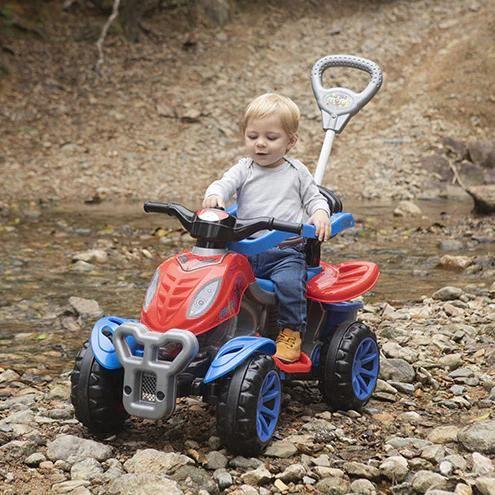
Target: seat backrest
{"points": [[334, 202]]}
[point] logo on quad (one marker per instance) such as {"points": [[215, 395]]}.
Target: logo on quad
{"points": [[338, 100]]}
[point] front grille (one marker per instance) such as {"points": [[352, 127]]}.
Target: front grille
{"points": [[148, 387]]}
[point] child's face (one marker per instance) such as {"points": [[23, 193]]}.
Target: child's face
{"points": [[267, 142]]}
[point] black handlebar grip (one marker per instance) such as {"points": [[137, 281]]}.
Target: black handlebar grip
{"points": [[295, 228], [156, 207]]}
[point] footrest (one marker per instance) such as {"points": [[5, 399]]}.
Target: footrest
{"points": [[304, 365], [150, 383]]}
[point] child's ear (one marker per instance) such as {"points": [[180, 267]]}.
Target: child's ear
{"points": [[292, 141]]}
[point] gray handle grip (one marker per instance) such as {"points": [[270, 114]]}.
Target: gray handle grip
{"points": [[338, 105]]}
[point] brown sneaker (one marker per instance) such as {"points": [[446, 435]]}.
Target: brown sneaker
{"points": [[288, 345]]}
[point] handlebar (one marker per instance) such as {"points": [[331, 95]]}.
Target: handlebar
{"points": [[226, 228]]}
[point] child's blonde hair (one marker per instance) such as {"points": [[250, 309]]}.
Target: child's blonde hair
{"points": [[270, 104]]}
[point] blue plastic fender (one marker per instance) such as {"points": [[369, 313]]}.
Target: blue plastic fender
{"points": [[102, 345], [235, 352]]}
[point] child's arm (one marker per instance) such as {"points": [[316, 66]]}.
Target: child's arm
{"points": [[315, 205], [221, 190]]}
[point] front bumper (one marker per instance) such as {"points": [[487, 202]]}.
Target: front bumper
{"points": [[150, 383]]}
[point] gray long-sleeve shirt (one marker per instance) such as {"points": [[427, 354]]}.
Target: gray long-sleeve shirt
{"points": [[287, 192]]}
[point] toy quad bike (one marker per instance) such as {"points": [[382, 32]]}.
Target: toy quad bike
{"points": [[206, 321]]}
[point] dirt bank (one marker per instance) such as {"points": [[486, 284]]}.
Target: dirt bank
{"points": [[162, 122]]}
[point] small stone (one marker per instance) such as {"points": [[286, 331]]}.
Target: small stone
{"points": [[141, 483], [395, 468], [281, 449], [280, 485], [363, 487], [223, 478], [87, 469], [486, 486], [151, 461], [482, 465], [361, 470], [293, 473], [216, 460], [407, 208], [447, 294], [443, 434], [34, 459], [425, 480], [333, 486], [257, 476], [86, 308], [479, 437], [74, 449], [457, 263]]}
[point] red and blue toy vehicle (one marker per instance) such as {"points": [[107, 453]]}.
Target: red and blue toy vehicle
{"points": [[207, 324]]}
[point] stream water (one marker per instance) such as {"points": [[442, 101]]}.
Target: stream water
{"points": [[36, 331]]}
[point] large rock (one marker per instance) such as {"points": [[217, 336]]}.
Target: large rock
{"points": [[407, 208], [447, 293], [199, 477], [484, 198], [153, 461], [74, 449], [479, 437], [482, 153], [143, 484], [281, 448]]}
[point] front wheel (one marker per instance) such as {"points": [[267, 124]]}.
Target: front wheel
{"points": [[349, 367], [249, 406], [96, 394]]}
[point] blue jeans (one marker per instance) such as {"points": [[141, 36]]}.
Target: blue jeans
{"points": [[286, 268]]}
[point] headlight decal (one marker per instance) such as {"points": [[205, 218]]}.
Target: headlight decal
{"points": [[204, 298], [150, 293]]}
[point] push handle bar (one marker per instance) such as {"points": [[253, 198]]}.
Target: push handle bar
{"points": [[337, 104]]}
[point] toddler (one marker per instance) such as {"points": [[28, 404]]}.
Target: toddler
{"points": [[268, 183]]}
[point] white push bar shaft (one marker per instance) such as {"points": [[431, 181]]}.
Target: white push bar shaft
{"points": [[324, 156]]}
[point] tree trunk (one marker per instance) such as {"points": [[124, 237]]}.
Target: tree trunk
{"points": [[130, 17]]}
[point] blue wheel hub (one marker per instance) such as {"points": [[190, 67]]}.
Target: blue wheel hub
{"points": [[365, 368], [268, 409]]}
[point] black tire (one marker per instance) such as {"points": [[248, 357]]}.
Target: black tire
{"points": [[237, 407], [336, 367], [96, 394]]}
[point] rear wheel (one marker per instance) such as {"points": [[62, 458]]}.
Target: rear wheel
{"points": [[96, 394], [249, 406], [349, 367]]}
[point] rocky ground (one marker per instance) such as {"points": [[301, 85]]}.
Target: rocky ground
{"points": [[161, 123], [428, 429]]}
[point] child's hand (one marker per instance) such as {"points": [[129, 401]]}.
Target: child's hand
{"points": [[321, 221], [213, 201]]}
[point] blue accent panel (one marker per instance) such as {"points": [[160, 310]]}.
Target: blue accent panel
{"points": [[232, 209], [338, 313], [265, 284], [341, 221], [266, 241], [313, 271], [235, 352], [102, 345]]}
